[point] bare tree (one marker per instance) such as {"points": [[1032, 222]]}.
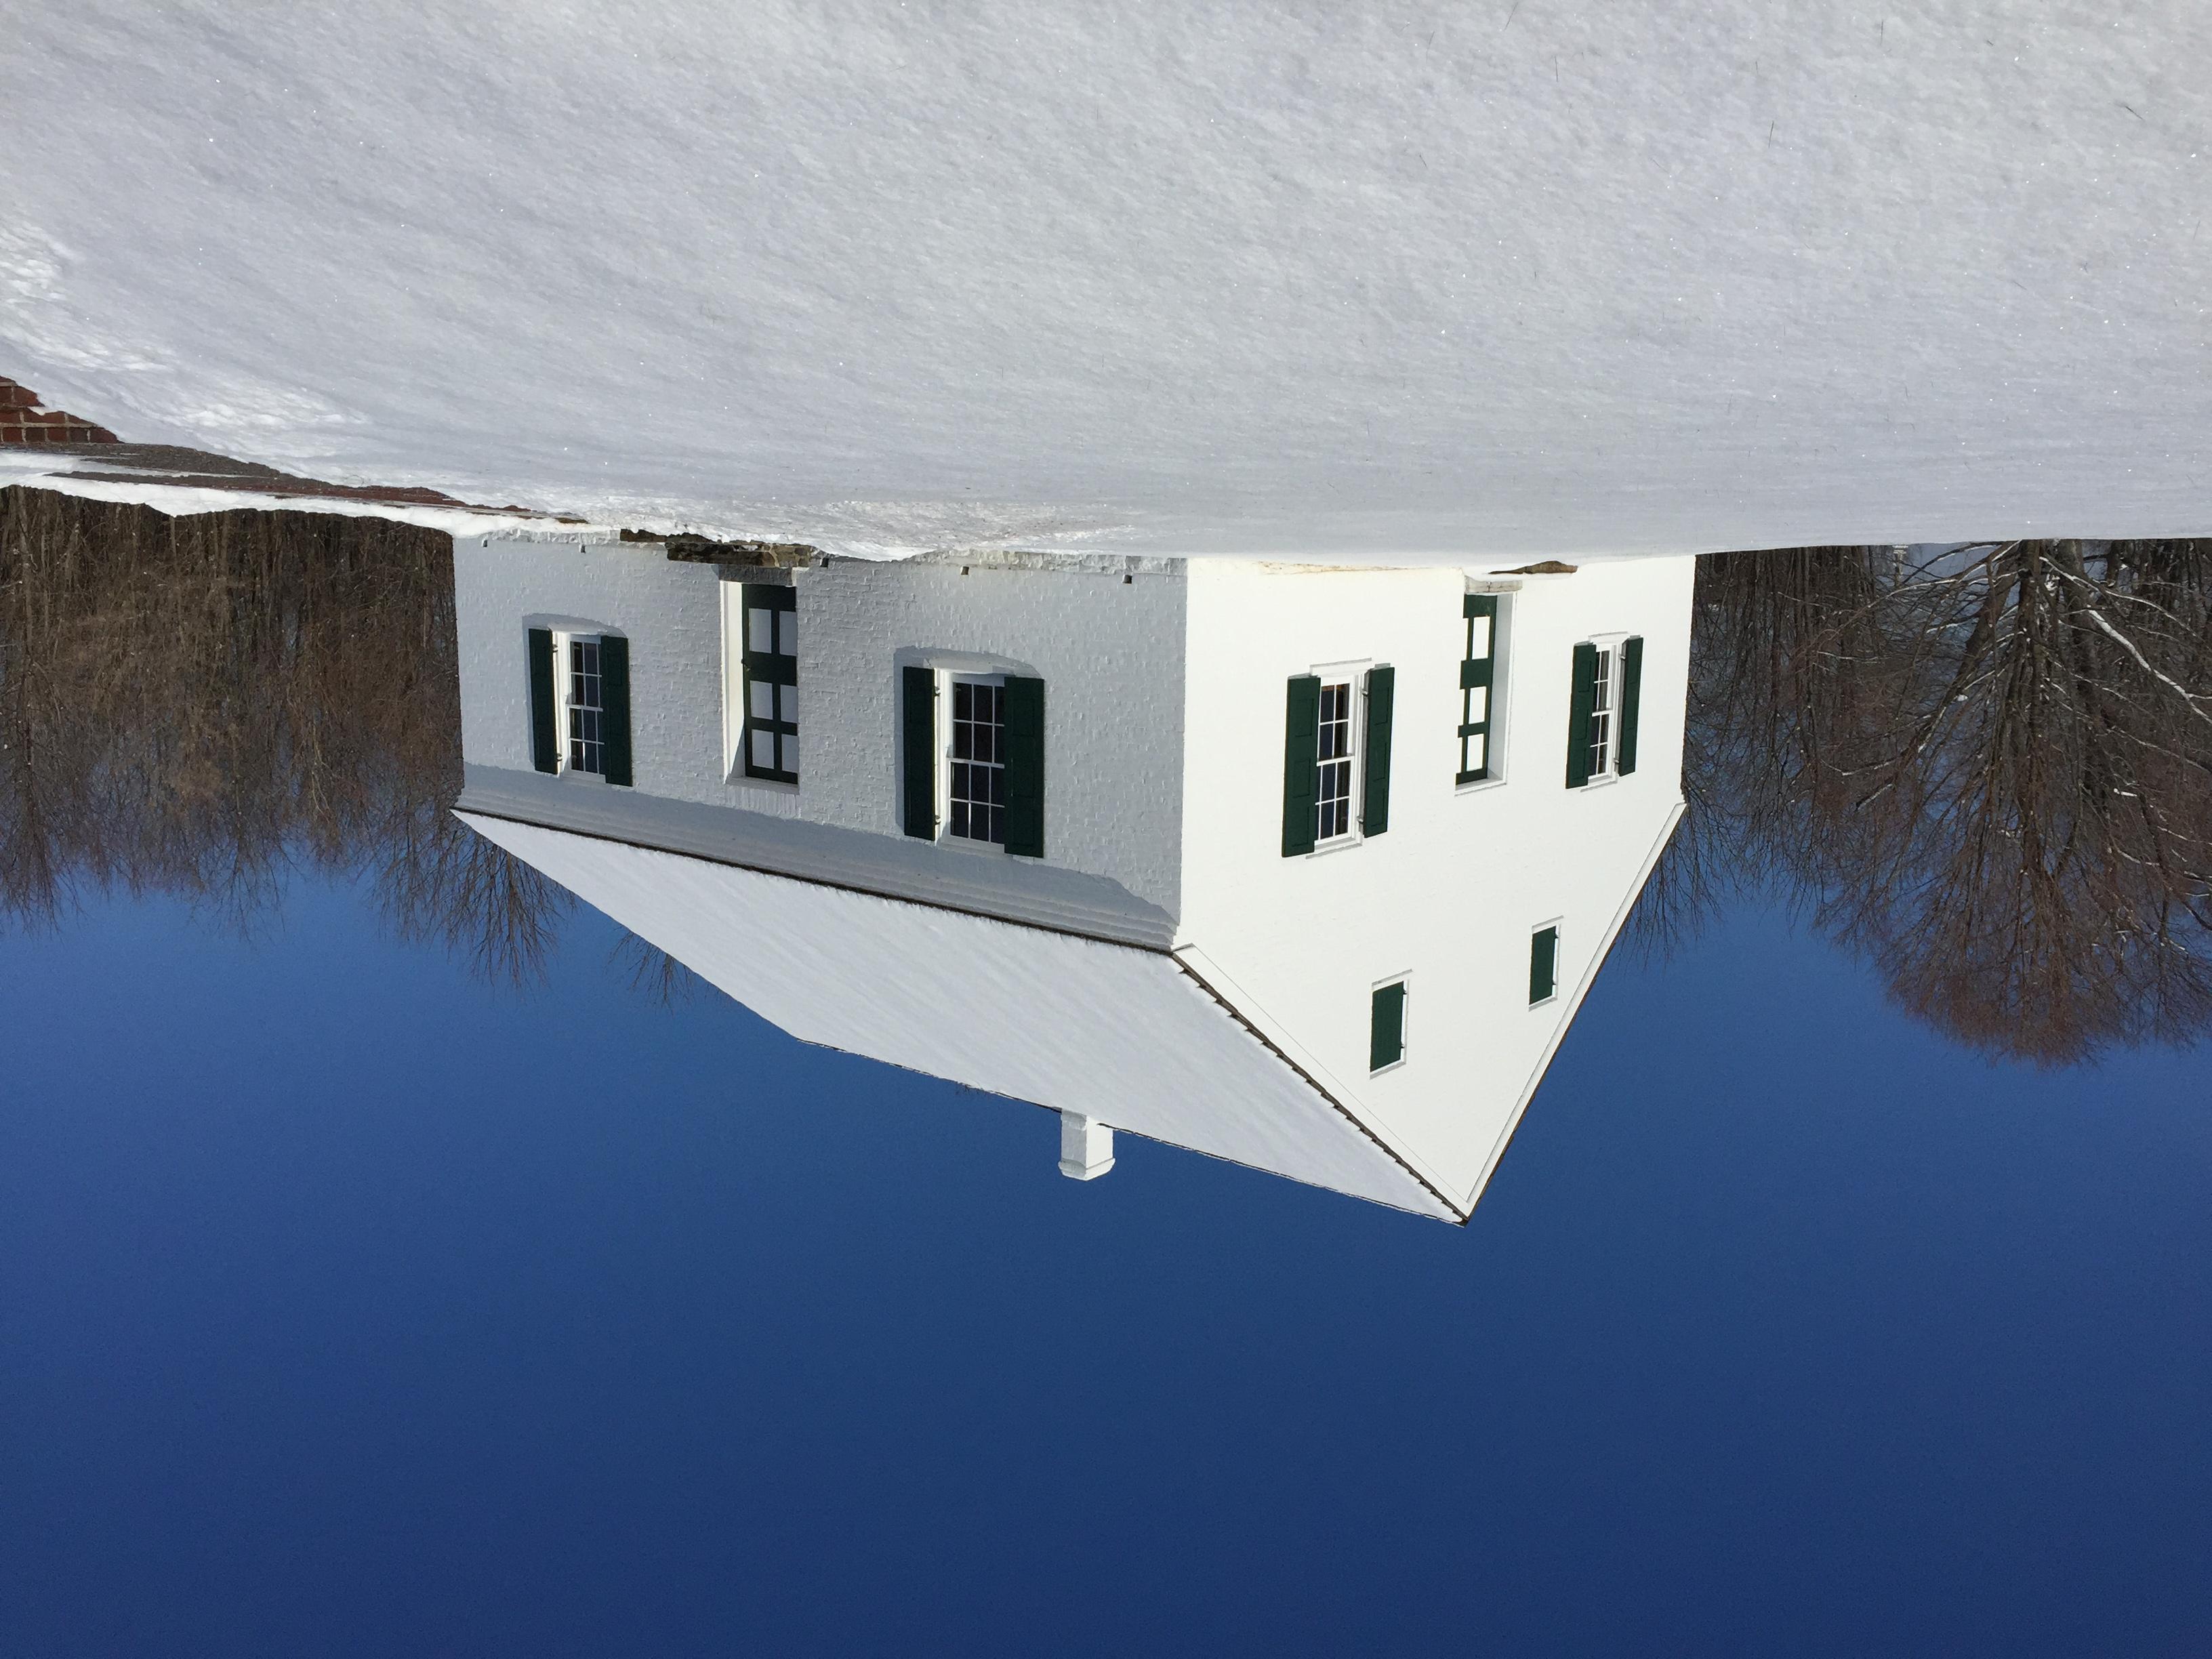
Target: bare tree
{"points": [[200, 706], [1989, 773]]}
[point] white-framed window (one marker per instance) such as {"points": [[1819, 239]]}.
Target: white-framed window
{"points": [[1335, 760], [768, 735], [1336, 756], [1481, 689], [974, 759], [1605, 711], [579, 702], [1602, 716], [583, 705]]}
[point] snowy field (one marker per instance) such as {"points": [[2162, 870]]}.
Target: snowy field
{"points": [[1341, 280]]}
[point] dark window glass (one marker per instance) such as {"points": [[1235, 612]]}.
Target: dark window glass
{"points": [[975, 792], [1332, 740], [769, 743], [586, 708]]}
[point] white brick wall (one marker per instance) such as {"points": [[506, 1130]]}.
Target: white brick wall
{"points": [[1108, 651]]}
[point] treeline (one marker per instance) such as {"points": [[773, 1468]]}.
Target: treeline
{"points": [[1989, 774], [195, 706]]}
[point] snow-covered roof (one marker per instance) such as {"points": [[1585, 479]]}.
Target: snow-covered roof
{"points": [[1118, 1032]]}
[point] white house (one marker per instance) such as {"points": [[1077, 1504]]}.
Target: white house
{"points": [[1308, 868]]}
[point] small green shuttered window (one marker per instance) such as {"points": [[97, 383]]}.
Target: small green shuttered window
{"points": [[1301, 734], [1375, 794], [1326, 736], [1386, 1027], [994, 761], [918, 751], [1477, 668], [1543, 965], [1607, 699], [580, 704]]}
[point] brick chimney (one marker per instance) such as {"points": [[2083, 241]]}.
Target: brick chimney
{"points": [[23, 422]]}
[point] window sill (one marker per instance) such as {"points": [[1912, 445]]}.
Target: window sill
{"points": [[979, 849], [1336, 844], [1479, 786], [1547, 1002], [1605, 782], [1397, 1064], [739, 778]]}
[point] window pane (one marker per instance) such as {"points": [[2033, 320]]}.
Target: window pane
{"points": [[790, 753], [763, 700], [764, 750], [787, 697], [760, 631], [1478, 630], [1477, 752], [975, 778], [1332, 776], [1478, 704], [787, 633]]}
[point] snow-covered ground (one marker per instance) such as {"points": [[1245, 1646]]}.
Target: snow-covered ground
{"points": [[1336, 279]]}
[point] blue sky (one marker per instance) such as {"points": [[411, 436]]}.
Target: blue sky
{"points": [[347, 1306]]}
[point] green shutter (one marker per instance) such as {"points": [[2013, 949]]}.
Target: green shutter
{"points": [[614, 697], [1301, 753], [1579, 715], [1024, 710], [1385, 1028], [1543, 964], [545, 740], [1375, 796], [918, 727], [1631, 695]]}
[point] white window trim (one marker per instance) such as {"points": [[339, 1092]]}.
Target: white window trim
{"points": [[1558, 925], [946, 678], [1354, 673], [562, 639], [1405, 1020], [1501, 703], [733, 697], [735, 692], [1612, 643]]}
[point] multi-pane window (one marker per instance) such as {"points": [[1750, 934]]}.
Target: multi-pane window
{"points": [[1333, 762], [771, 738], [1601, 714], [975, 777], [586, 705], [1477, 675]]}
